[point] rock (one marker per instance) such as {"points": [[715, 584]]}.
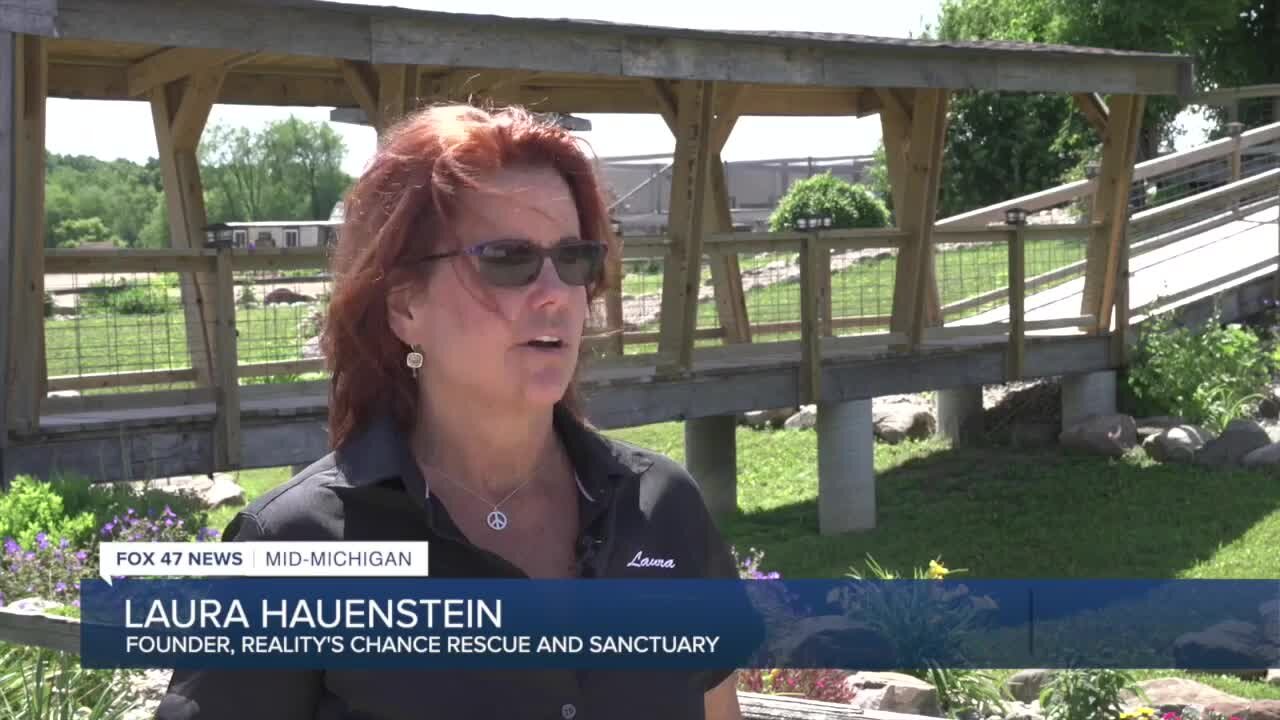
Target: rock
{"points": [[1026, 685], [1177, 694], [285, 295], [1107, 435], [895, 423], [1269, 407], [799, 642], [1240, 438], [1265, 455], [149, 688], [64, 393], [761, 419], [32, 606], [1023, 711], [1273, 676], [1176, 444], [1232, 643], [805, 419], [211, 491], [1156, 424], [893, 692]]}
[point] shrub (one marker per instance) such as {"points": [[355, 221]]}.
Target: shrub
{"points": [[848, 205], [1092, 694], [1208, 376], [749, 567], [32, 507], [39, 684], [45, 569], [248, 298], [165, 526], [125, 298]]}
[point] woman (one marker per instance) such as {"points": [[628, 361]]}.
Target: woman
{"points": [[472, 247]]}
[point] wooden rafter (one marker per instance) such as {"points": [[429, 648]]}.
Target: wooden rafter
{"points": [[176, 63], [1095, 111]]}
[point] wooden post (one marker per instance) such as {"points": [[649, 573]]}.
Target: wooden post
{"points": [[179, 111], [27, 378], [912, 278], [614, 321], [227, 390], [1017, 299], [812, 303], [1236, 129], [1107, 253], [397, 91], [9, 89], [682, 272]]}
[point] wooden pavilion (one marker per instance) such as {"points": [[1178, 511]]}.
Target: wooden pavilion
{"points": [[183, 56]]}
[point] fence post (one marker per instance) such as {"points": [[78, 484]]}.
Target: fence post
{"points": [[812, 304], [226, 386], [615, 343], [1015, 360], [1235, 129]]}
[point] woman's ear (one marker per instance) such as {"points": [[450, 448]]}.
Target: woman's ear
{"points": [[400, 314]]}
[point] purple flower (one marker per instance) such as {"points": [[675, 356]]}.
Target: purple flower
{"points": [[108, 529], [128, 511], [75, 603], [11, 546], [63, 543], [81, 555], [42, 540], [168, 522], [61, 587]]}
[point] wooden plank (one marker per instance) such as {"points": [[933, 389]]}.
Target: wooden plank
{"points": [[1017, 303], [397, 90], [759, 706], [227, 394], [281, 367], [614, 325], [99, 381], [916, 215], [200, 93], [9, 68], [665, 96], [52, 632], [1094, 109], [683, 269], [26, 371], [173, 64], [70, 262]]}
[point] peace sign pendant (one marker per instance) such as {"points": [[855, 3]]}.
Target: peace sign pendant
{"points": [[497, 520]]}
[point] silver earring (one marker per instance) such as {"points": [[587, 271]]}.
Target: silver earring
{"points": [[414, 360]]}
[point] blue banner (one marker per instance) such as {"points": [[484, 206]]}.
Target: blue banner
{"points": [[240, 623]]}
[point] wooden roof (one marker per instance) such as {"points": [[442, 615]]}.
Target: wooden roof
{"points": [[287, 52]]}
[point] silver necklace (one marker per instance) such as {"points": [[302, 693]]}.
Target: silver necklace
{"points": [[496, 519]]}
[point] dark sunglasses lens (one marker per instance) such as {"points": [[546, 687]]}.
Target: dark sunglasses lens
{"points": [[578, 263], [509, 264]]}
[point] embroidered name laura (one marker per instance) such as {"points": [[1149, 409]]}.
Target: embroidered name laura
{"points": [[641, 561]]}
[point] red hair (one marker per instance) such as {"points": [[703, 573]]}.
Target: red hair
{"points": [[399, 211]]}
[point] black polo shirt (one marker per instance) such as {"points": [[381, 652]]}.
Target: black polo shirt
{"points": [[630, 501]]}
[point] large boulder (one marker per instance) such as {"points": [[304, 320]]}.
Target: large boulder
{"points": [[805, 419], [211, 491], [1266, 455], [1025, 685], [762, 419], [1176, 694], [1154, 425], [1231, 643], [901, 421], [1106, 435], [1229, 449], [1177, 444], [893, 692], [286, 295]]}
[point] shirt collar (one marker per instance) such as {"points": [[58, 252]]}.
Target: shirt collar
{"points": [[381, 452]]}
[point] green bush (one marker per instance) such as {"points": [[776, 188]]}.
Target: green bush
{"points": [[125, 298], [32, 507], [1092, 694], [74, 508], [848, 205], [1207, 376]]}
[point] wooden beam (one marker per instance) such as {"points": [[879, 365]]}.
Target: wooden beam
{"points": [[1095, 111], [26, 375], [227, 390], [682, 271], [173, 64], [812, 303], [729, 99], [1111, 209], [397, 93], [666, 98], [363, 83], [1017, 304], [726, 268], [911, 293], [199, 93], [184, 198]]}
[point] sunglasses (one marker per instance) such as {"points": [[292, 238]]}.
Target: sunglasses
{"points": [[516, 263]]}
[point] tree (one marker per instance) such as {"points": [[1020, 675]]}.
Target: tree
{"points": [[823, 196], [289, 170], [1004, 144], [74, 232]]}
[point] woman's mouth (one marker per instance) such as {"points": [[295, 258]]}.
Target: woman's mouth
{"points": [[546, 342]]}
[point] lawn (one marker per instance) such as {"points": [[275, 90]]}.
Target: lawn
{"points": [[997, 513]]}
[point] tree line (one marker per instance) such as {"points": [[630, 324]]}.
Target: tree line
{"points": [[288, 170]]}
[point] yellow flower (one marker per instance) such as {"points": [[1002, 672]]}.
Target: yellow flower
{"points": [[1146, 711], [937, 570]]}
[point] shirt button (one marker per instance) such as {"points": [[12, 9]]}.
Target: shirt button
{"points": [[567, 711]]}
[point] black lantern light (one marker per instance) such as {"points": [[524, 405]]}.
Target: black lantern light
{"points": [[1015, 216]]}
